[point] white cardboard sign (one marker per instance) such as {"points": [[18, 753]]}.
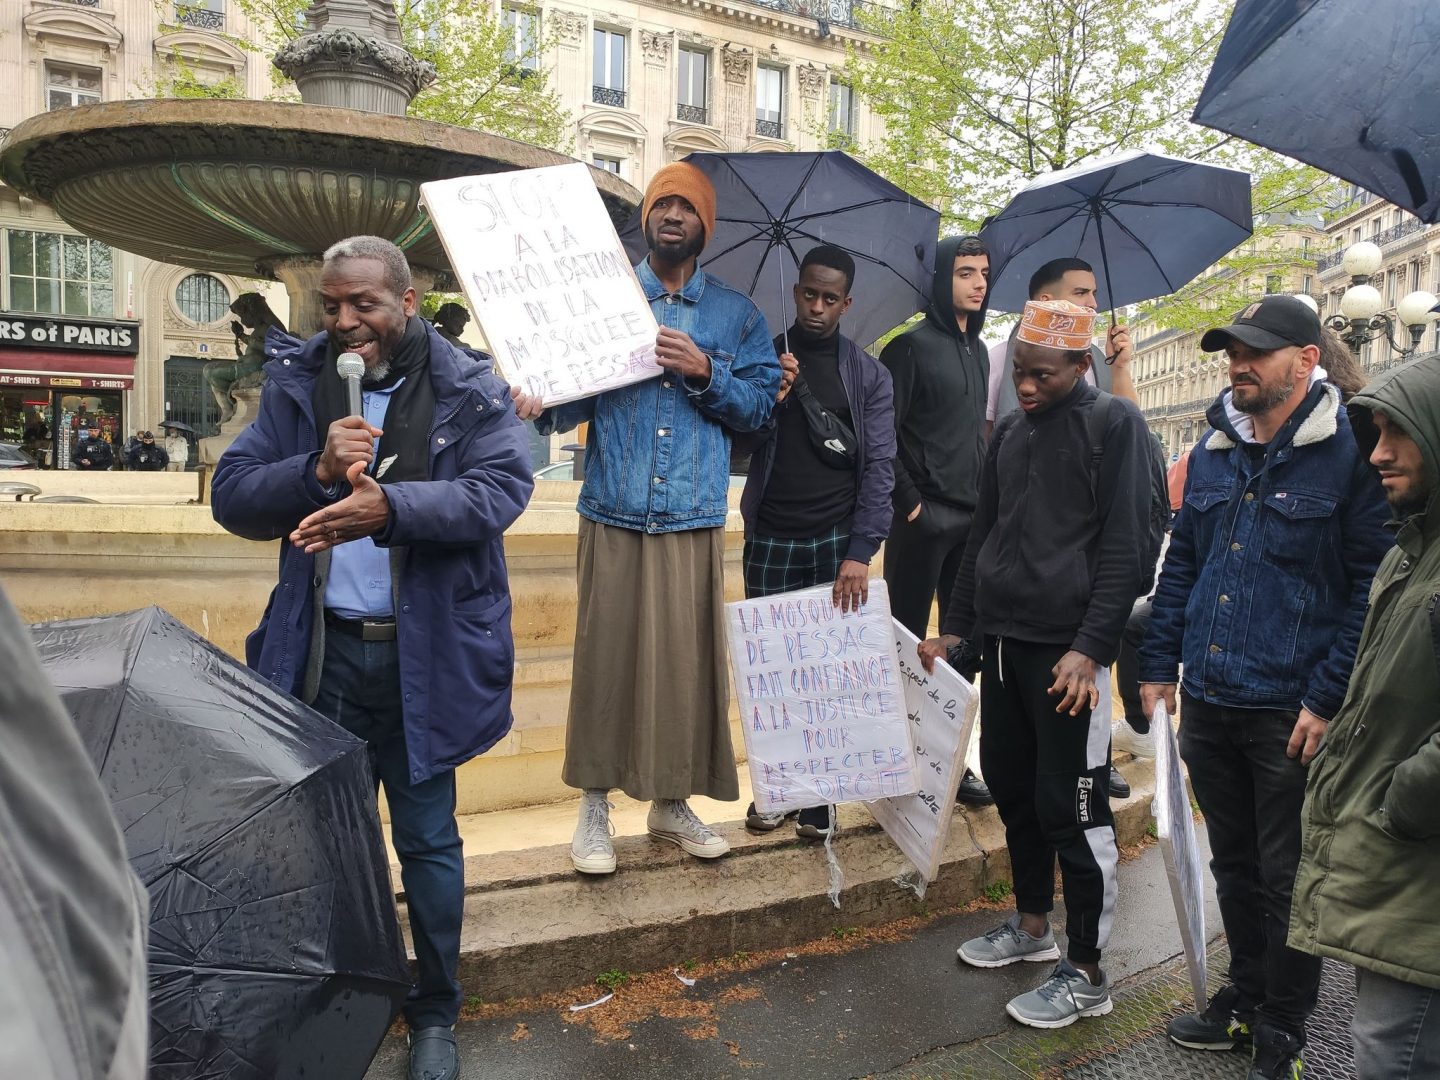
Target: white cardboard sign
{"points": [[821, 699], [940, 708], [547, 278], [1175, 828]]}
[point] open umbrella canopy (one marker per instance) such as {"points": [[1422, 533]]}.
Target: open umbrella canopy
{"points": [[1348, 86], [250, 818], [773, 208], [1147, 223], [178, 425]]}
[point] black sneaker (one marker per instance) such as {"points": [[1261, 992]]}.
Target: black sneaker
{"points": [[1119, 786], [972, 790], [813, 823], [1217, 1028], [758, 822], [1277, 1055]]}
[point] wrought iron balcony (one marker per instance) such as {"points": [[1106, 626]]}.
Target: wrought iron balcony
{"points": [[608, 95], [85, 3], [692, 114], [200, 18], [837, 12], [770, 129], [1407, 227]]}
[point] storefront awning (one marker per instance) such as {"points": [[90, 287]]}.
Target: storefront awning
{"points": [[66, 370]]}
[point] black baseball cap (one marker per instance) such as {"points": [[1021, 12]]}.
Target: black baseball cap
{"points": [[1270, 323]]}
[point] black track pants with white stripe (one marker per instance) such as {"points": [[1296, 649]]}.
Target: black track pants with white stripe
{"points": [[1050, 775]]}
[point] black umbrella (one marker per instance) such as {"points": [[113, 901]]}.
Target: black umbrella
{"points": [[177, 425], [250, 818], [773, 208], [1348, 86]]}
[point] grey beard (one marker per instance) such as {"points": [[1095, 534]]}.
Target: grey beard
{"points": [[1267, 400], [377, 374]]}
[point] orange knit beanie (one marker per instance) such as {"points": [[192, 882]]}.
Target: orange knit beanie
{"points": [[683, 179]]}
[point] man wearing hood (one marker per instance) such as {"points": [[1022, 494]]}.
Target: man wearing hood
{"points": [[392, 612], [1370, 865], [649, 693], [940, 371], [1262, 597]]}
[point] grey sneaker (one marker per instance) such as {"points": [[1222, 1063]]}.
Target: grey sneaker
{"points": [[1062, 999], [673, 820], [591, 850], [1006, 944]]}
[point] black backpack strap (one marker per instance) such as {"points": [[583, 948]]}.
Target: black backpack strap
{"points": [[1095, 426]]}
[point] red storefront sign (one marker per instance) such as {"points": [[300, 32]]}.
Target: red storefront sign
{"points": [[66, 370]]}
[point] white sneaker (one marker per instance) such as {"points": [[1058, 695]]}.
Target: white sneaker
{"points": [[673, 820], [591, 850], [1125, 738]]}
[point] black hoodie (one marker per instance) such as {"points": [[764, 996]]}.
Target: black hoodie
{"points": [[941, 376]]}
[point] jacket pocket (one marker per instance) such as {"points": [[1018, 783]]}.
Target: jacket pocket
{"points": [[1296, 525]]}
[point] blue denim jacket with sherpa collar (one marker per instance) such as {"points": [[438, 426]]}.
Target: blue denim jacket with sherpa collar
{"points": [[657, 458], [1266, 579]]}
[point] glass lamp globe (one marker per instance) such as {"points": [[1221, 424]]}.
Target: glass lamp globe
{"points": [[1414, 308], [1308, 301], [1361, 260], [1360, 302]]}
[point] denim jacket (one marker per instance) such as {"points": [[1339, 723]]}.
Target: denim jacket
{"points": [[658, 455], [1265, 584]]}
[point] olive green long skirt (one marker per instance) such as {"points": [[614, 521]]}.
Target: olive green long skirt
{"points": [[650, 691]]}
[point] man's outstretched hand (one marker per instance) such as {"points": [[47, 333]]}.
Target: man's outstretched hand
{"points": [[364, 512]]}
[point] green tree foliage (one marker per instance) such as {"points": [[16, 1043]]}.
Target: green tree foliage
{"points": [[980, 96], [483, 81]]}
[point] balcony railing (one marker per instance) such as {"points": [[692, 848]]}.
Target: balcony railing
{"points": [[608, 95], [770, 129], [200, 18], [85, 3], [837, 12], [692, 114], [1381, 239]]}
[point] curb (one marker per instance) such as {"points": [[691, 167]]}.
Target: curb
{"points": [[532, 925]]}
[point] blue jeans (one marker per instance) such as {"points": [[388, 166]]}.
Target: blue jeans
{"points": [[1396, 1028], [360, 691], [1251, 795]]}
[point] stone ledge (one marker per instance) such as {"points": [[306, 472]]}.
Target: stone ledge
{"points": [[533, 925]]}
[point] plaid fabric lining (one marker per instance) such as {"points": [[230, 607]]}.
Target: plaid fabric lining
{"points": [[775, 565]]}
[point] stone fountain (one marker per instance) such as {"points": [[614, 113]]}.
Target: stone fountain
{"points": [[263, 188]]}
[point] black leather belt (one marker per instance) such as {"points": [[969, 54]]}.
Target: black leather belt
{"points": [[364, 629]]}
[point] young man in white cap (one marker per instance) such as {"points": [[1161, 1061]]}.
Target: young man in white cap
{"points": [[1050, 573]]}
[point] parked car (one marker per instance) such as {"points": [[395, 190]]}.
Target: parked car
{"points": [[556, 470], [13, 457]]}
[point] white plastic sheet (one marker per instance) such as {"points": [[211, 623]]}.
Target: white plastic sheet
{"points": [[1175, 826]]}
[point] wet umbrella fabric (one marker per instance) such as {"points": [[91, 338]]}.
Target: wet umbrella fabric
{"points": [[1348, 86], [1147, 223], [177, 425], [773, 208], [274, 947]]}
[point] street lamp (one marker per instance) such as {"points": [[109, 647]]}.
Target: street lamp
{"points": [[1361, 320]]}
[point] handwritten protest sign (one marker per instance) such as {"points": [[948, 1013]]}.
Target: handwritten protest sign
{"points": [[940, 708], [1175, 828], [821, 699], [543, 269]]}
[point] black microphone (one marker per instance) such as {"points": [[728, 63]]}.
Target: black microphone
{"points": [[351, 366]]}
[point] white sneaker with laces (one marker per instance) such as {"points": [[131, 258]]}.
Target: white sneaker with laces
{"points": [[673, 820], [591, 850], [1124, 738]]}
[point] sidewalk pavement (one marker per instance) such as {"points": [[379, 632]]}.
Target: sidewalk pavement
{"points": [[891, 1001]]}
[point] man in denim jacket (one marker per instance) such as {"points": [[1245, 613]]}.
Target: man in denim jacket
{"points": [[1262, 597], [649, 694]]}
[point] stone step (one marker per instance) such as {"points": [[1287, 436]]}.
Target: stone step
{"points": [[532, 924]]}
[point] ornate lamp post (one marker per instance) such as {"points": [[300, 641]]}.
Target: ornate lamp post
{"points": [[1361, 320]]}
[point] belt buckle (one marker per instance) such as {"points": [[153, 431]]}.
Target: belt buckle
{"points": [[371, 630]]}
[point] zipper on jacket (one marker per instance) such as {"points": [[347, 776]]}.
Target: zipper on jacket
{"points": [[451, 415]]}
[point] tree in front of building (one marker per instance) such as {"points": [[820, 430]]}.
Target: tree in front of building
{"points": [[491, 69], [980, 96]]}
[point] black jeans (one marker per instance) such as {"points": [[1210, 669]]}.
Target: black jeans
{"points": [[922, 559], [1251, 795], [1127, 666], [1050, 775], [360, 691]]}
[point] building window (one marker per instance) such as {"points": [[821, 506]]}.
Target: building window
{"points": [[1307, 285], [842, 110], [1273, 283], [522, 43], [694, 86], [770, 102], [67, 85], [609, 164], [60, 275], [201, 14], [609, 86], [202, 298]]}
